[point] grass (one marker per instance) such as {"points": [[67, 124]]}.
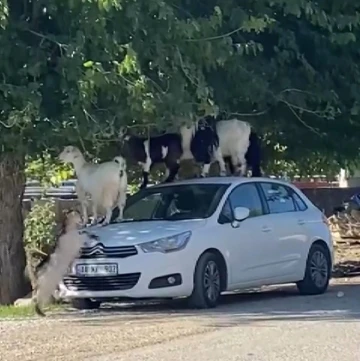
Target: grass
{"points": [[25, 311]]}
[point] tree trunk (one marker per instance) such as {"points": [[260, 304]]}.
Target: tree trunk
{"points": [[12, 254]]}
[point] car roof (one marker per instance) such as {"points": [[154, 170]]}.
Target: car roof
{"points": [[223, 180]]}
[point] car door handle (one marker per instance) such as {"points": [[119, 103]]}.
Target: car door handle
{"points": [[265, 229], [301, 222]]}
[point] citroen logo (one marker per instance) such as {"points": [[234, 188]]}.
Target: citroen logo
{"points": [[99, 251]]}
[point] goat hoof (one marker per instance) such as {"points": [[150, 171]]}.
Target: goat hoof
{"points": [[222, 174], [104, 224]]}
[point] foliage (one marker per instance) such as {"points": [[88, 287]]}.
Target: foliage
{"points": [[40, 227], [73, 72], [47, 171]]}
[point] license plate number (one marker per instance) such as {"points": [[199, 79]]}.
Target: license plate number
{"points": [[89, 270]]}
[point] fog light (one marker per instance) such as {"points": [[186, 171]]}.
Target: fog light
{"points": [[171, 280]]}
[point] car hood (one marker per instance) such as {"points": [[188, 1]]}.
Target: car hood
{"points": [[132, 233]]}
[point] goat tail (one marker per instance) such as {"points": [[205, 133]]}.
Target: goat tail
{"points": [[68, 248]]}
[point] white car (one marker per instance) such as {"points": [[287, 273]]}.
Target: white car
{"points": [[200, 237]]}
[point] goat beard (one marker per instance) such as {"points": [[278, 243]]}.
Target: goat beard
{"points": [[68, 248]]}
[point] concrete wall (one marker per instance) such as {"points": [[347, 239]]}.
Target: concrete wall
{"points": [[328, 198]]}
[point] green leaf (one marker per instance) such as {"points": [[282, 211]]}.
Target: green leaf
{"points": [[88, 64]]}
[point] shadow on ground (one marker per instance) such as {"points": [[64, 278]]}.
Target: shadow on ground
{"points": [[340, 303]]}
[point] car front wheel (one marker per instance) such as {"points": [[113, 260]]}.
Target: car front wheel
{"points": [[85, 304], [207, 282], [317, 272]]}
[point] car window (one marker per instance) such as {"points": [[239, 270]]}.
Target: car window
{"points": [[300, 204], [145, 207], [247, 195], [278, 197], [174, 202]]}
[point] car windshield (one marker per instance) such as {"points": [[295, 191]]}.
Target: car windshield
{"points": [[177, 202]]}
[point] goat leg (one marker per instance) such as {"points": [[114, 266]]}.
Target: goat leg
{"points": [[83, 201], [94, 212], [145, 180], [107, 217], [172, 170], [121, 206], [230, 165], [243, 169], [205, 170], [219, 158], [256, 171], [37, 308], [84, 212]]}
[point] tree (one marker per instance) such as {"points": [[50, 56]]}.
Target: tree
{"points": [[74, 71]]}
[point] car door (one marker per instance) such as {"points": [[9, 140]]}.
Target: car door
{"points": [[248, 245], [288, 222]]}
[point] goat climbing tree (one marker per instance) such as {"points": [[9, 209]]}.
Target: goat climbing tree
{"points": [[73, 71]]}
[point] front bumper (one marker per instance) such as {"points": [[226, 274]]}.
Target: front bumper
{"points": [[135, 275]]}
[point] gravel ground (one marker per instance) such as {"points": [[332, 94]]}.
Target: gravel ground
{"points": [[140, 332], [82, 337], [132, 332]]}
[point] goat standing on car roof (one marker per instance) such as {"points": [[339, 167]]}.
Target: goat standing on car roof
{"points": [[147, 151], [199, 142], [238, 145], [105, 182]]}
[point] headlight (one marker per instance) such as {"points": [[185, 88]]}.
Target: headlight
{"points": [[167, 244]]}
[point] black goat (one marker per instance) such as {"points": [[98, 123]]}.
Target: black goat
{"points": [[201, 143], [165, 148]]}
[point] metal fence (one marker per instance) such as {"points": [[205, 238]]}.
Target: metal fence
{"points": [[66, 190]]}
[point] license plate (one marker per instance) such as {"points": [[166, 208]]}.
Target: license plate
{"points": [[91, 270]]}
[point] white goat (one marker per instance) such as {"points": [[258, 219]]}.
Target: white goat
{"points": [[106, 183], [68, 247], [234, 138]]}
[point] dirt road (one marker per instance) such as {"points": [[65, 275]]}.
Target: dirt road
{"points": [[276, 324]]}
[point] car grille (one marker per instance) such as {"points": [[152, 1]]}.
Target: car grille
{"points": [[100, 251], [105, 283]]}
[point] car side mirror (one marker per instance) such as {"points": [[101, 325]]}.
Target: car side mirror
{"points": [[241, 213]]}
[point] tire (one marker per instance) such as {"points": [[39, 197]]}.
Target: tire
{"points": [[318, 265], [85, 304], [202, 297]]}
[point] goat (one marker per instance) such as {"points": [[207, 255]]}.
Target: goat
{"points": [[53, 268], [165, 148], [252, 157], [238, 145], [105, 182], [201, 142]]}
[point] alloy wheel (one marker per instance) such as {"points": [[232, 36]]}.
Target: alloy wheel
{"points": [[212, 281], [319, 269]]}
